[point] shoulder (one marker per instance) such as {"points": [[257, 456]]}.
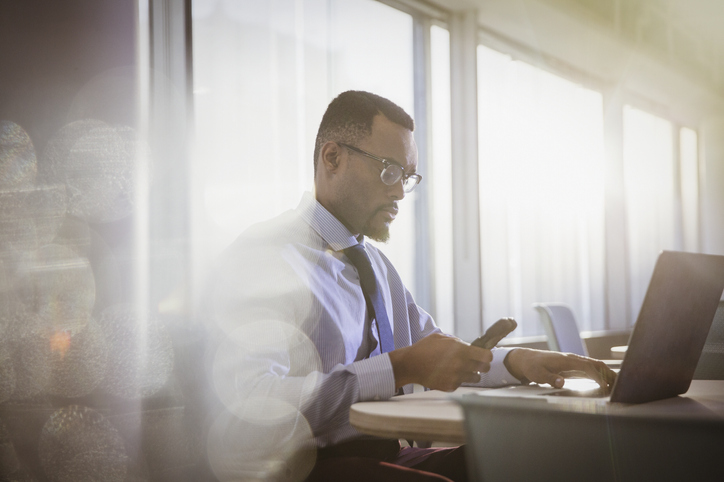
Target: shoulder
{"points": [[257, 264], [270, 235], [271, 249]]}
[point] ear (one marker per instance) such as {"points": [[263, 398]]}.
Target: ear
{"points": [[330, 154]]}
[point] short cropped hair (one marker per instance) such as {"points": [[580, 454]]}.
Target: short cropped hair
{"points": [[349, 117]]}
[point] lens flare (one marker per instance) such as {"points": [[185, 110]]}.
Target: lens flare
{"points": [[280, 447], [60, 342], [78, 361], [140, 354], [96, 162], [18, 164]]}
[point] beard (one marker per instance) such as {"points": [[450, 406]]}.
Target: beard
{"points": [[377, 233], [382, 235]]}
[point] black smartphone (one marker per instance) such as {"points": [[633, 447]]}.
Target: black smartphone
{"points": [[495, 333]]}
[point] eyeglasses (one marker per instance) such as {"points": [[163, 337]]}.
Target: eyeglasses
{"points": [[392, 171]]}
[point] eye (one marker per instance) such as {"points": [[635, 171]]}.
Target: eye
{"points": [[391, 174]]}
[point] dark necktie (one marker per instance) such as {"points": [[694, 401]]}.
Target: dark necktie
{"points": [[373, 297]]}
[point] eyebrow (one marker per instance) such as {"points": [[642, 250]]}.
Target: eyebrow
{"points": [[388, 159]]}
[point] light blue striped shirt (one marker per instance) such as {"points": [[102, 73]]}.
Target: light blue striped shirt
{"points": [[296, 329]]}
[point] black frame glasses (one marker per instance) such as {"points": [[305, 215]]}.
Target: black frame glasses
{"points": [[392, 171]]}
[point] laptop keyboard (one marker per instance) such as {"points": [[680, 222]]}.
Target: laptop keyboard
{"points": [[599, 392]]}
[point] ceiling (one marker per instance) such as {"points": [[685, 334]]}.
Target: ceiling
{"points": [[703, 16], [688, 35]]}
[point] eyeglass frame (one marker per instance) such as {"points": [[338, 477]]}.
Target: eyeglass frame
{"points": [[387, 164]]}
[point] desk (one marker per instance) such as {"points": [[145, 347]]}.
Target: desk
{"points": [[434, 416]]}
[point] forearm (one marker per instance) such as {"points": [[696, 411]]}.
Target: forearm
{"points": [[499, 374], [323, 399]]}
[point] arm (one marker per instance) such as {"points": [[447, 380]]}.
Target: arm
{"points": [[273, 350], [444, 362]]}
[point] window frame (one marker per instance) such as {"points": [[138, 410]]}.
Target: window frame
{"points": [[168, 21]]}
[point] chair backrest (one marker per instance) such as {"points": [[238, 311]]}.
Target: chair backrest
{"points": [[711, 361], [530, 439], [561, 328]]}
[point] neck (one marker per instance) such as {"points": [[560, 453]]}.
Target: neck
{"points": [[329, 206]]}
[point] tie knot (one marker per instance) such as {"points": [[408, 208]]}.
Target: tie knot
{"points": [[357, 254], [356, 247]]}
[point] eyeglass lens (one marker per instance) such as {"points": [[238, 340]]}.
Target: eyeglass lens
{"points": [[409, 184], [393, 173]]}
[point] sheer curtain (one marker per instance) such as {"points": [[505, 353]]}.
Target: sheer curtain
{"points": [[651, 190], [541, 193], [264, 72]]}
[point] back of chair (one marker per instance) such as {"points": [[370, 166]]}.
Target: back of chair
{"points": [[561, 328], [711, 362]]}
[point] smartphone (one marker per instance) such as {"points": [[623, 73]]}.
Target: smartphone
{"points": [[495, 333]]}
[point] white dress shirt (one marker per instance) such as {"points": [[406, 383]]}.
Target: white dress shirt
{"points": [[296, 336]]}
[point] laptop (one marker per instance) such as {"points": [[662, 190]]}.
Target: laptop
{"points": [[667, 339]]}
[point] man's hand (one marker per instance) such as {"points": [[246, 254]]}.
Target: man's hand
{"points": [[440, 362], [552, 367]]}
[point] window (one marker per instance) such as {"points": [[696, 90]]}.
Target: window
{"points": [[541, 193], [264, 73], [689, 169], [661, 192]]}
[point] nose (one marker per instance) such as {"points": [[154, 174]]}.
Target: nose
{"points": [[397, 191]]}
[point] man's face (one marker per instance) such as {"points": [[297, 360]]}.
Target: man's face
{"points": [[364, 203]]}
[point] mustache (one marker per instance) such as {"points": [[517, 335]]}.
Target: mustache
{"points": [[389, 207]]}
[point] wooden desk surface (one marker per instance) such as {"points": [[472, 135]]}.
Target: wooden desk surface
{"points": [[434, 416], [430, 415]]}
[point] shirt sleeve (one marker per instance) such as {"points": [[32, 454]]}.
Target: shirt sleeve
{"points": [[498, 375], [375, 377]]}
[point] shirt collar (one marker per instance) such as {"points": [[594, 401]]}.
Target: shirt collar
{"points": [[325, 224]]}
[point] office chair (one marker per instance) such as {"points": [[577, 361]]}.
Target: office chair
{"points": [[561, 328], [711, 361]]}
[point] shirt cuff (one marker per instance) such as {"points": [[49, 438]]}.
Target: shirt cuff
{"points": [[376, 378], [498, 375]]}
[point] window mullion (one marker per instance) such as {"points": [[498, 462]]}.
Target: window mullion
{"points": [[424, 267], [466, 205], [617, 298]]}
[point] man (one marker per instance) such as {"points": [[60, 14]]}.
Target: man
{"points": [[314, 329]]}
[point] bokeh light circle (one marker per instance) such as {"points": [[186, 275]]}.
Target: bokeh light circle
{"points": [[78, 444], [140, 353], [18, 163]]}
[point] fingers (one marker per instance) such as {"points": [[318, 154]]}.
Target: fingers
{"points": [[596, 370], [452, 362], [480, 354], [425, 362], [472, 377], [472, 366], [551, 367], [539, 373]]}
